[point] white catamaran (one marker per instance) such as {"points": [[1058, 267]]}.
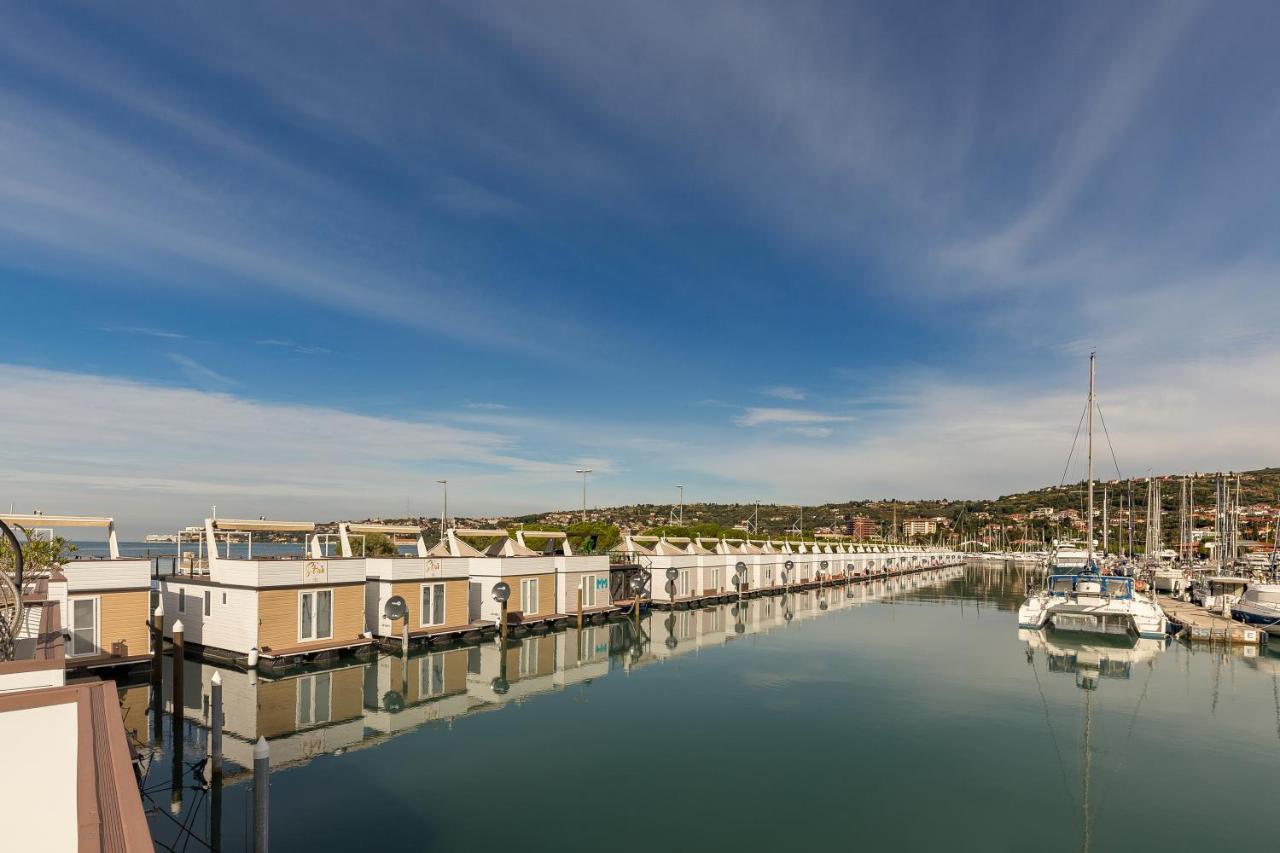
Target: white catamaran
{"points": [[1085, 600]]}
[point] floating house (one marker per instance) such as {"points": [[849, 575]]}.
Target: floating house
{"points": [[587, 574], [436, 590], [530, 576], [105, 600], [275, 610]]}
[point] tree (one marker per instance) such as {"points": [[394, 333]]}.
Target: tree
{"points": [[40, 555], [379, 545]]}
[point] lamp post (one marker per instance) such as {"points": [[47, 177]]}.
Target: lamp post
{"points": [[444, 510], [680, 486], [584, 472]]}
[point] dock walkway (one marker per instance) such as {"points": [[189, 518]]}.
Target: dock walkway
{"points": [[1206, 626]]}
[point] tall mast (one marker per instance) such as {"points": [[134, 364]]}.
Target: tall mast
{"points": [[1090, 506]]}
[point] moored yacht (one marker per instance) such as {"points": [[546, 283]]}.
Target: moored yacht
{"points": [[1260, 605], [1085, 600]]}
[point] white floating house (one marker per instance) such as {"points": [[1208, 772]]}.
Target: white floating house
{"points": [[658, 555], [436, 590], [530, 576], [283, 609], [574, 573], [105, 600]]}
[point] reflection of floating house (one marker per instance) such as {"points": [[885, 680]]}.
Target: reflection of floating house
{"points": [[303, 715], [587, 574], [105, 601], [402, 693], [288, 608], [526, 667], [435, 590], [530, 576], [583, 655]]}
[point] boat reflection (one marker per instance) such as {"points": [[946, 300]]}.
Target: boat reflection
{"points": [[1090, 659]]}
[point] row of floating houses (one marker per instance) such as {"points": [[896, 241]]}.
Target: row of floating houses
{"points": [[271, 610], [352, 703]]}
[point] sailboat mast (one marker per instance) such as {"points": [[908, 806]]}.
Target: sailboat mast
{"points": [[1090, 505]]}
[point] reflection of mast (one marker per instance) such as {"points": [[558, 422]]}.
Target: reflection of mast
{"points": [[1084, 802]]}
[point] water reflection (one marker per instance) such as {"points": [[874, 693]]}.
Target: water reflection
{"points": [[919, 671]]}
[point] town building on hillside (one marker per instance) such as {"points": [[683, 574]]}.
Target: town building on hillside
{"points": [[1041, 512], [862, 528], [919, 527]]}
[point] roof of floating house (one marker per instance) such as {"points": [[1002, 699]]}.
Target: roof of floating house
{"points": [[556, 542], [454, 545], [249, 525]]}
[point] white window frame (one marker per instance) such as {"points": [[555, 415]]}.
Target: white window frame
{"points": [[431, 677], [315, 612], [528, 665], [527, 584], [308, 702], [682, 583], [437, 590], [97, 627], [715, 579], [587, 583]]}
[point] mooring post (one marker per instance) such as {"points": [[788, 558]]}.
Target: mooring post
{"points": [[157, 675], [179, 648], [175, 722], [215, 724], [261, 784], [502, 628], [579, 605]]}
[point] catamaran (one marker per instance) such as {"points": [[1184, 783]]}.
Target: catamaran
{"points": [[1080, 598]]}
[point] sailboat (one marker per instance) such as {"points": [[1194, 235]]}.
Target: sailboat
{"points": [[1085, 600]]}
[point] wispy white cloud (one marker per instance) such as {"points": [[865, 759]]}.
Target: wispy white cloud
{"points": [[134, 330], [300, 349], [200, 375], [765, 416], [492, 407], [783, 392]]}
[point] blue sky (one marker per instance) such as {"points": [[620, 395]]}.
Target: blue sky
{"points": [[308, 259]]}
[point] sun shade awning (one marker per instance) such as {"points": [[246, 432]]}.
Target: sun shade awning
{"points": [[253, 524]]}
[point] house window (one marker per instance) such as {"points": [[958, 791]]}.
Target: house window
{"points": [[433, 604], [588, 586], [315, 611], [315, 704], [430, 676], [84, 626], [529, 596], [208, 601], [715, 579], [182, 600], [224, 598], [682, 584]]}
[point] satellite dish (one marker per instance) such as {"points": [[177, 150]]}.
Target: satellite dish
{"points": [[673, 573], [824, 564], [790, 565], [741, 567], [501, 592], [396, 608], [849, 568], [672, 642]]}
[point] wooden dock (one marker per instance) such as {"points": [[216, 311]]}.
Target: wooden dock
{"points": [[1203, 625]]}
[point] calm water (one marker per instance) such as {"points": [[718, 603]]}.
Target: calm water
{"points": [[914, 719]]}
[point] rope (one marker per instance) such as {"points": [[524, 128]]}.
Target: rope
{"points": [[1074, 442], [1109, 447]]}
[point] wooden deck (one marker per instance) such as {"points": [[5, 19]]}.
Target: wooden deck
{"points": [[1202, 625]]}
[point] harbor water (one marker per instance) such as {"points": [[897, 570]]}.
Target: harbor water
{"points": [[900, 715]]}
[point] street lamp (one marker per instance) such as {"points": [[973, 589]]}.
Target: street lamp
{"points": [[584, 472], [680, 486], [444, 511]]}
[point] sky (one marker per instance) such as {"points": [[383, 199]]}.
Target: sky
{"points": [[305, 260]]}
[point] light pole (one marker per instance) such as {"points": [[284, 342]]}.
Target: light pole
{"points": [[584, 472], [680, 486], [444, 511]]}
